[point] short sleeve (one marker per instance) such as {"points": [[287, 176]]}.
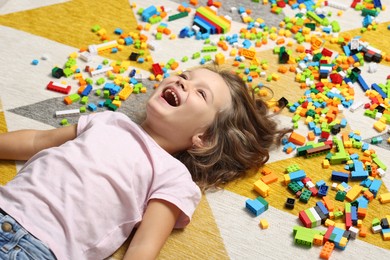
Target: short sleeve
{"points": [[179, 189]]}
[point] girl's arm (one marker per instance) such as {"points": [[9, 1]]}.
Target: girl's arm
{"points": [[157, 224], [23, 144]]}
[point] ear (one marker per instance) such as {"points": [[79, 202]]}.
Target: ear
{"points": [[197, 141]]}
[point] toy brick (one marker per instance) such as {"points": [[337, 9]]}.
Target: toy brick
{"points": [[305, 236], [254, 206], [270, 178], [327, 250], [328, 203], [264, 224], [384, 198], [375, 186], [210, 15], [353, 193], [262, 188], [58, 87]]}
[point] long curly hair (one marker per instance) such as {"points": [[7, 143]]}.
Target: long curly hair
{"points": [[238, 140]]}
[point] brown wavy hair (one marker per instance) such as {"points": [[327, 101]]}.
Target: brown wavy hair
{"points": [[238, 140]]}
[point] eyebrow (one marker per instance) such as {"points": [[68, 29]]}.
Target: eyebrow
{"points": [[205, 86]]}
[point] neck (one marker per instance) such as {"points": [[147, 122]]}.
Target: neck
{"points": [[159, 139]]}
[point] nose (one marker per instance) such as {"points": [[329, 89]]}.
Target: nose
{"points": [[183, 84]]}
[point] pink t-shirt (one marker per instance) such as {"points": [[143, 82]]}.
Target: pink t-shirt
{"points": [[84, 197]]}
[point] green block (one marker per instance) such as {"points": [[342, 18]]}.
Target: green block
{"points": [[305, 236], [340, 196], [84, 100], [305, 196], [177, 16], [379, 163], [74, 97]]}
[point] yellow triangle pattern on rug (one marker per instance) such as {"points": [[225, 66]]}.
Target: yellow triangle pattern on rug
{"points": [[7, 168], [195, 241], [57, 22]]}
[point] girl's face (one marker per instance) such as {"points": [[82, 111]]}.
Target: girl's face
{"points": [[184, 106]]}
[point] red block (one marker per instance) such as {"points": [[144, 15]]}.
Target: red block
{"points": [[304, 219]]}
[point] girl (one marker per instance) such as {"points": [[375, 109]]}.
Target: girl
{"points": [[85, 187]]}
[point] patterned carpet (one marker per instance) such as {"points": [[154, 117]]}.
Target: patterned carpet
{"points": [[51, 31]]}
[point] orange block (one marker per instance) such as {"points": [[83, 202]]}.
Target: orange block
{"points": [[289, 150], [217, 4], [280, 41], [174, 65], [327, 250], [363, 231], [362, 212], [311, 136], [266, 171], [163, 14], [270, 178], [297, 139], [368, 195], [68, 100], [328, 203]]}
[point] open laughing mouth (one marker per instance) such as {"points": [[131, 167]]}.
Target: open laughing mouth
{"points": [[171, 97]]}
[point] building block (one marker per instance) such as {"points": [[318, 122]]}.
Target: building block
{"points": [[353, 193], [290, 203], [256, 206], [327, 250], [297, 139], [264, 224], [340, 176], [58, 87], [305, 236], [269, 178], [384, 198], [262, 188], [375, 186]]}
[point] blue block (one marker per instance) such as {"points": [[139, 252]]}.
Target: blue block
{"points": [[86, 90], [362, 83], [320, 183], [323, 191], [379, 90], [324, 210], [375, 186], [362, 202], [311, 125], [204, 25], [354, 215], [339, 176], [358, 173], [118, 31], [297, 175], [128, 40], [149, 12], [343, 123], [365, 146], [92, 107], [346, 50], [255, 206], [317, 131], [184, 32]]}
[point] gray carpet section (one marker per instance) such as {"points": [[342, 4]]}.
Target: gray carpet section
{"points": [[44, 111], [258, 10], [384, 144]]}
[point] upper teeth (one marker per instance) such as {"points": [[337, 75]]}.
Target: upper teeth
{"points": [[175, 96]]}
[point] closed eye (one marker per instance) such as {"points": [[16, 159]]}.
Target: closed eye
{"points": [[202, 93], [184, 76]]}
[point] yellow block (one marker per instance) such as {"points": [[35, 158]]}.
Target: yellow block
{"points": [[261, 188], [353, 193], [384, 198]]}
